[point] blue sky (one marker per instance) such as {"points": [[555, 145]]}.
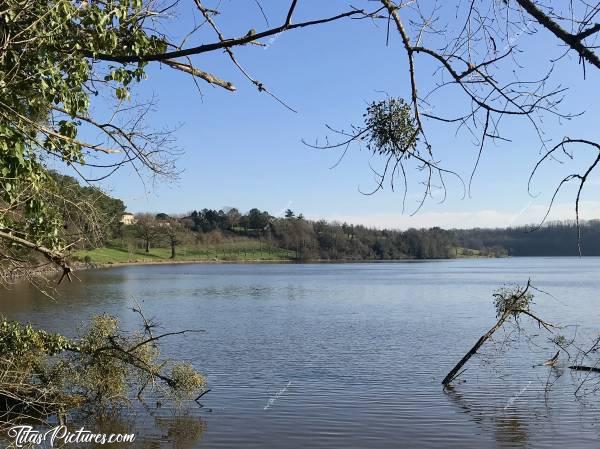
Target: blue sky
{"points": [[244, 149]]}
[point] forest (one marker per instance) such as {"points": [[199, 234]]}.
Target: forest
{"points": [[557, 238], [306, 239], [320, 239]]}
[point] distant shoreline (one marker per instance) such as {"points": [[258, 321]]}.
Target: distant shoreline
{"points": [[83, 266], [195, 262], [265, 261]]}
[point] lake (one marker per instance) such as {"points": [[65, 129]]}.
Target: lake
{"points": [[348, 355]]}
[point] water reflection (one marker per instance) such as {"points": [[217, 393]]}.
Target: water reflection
{"points": [[182, 432], [152, 431], [509, 429]]}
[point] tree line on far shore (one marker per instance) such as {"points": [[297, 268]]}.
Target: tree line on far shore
{"points": [[304, 239], [320, 239], [557, 238]]}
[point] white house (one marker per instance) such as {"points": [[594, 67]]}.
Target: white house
{"points": [[127, 219]]}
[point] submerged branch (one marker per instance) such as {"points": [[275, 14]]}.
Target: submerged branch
{"points": [[509, 304]]}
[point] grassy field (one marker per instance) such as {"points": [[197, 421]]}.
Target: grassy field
{"points": [[230, 251], [466, 253]]}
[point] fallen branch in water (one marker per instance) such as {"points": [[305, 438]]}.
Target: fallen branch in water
{"points": [[453, 374], [510, 303], [585, 368]]}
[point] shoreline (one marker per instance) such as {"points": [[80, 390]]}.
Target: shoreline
{"points": [[78, 265], [182, 262], [263, 261]]}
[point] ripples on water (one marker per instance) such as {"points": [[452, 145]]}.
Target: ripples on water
{"points": [[347, 356]]}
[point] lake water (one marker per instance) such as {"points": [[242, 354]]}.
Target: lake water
{"points": [[348, 355]]}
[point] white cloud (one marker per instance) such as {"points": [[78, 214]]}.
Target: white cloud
{"points": [[488, 218]]}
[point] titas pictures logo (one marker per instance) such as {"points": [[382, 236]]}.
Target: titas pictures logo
{"points": [[61, 435]]}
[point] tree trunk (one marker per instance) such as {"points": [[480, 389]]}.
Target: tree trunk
{"points": [[585, 368], [147, 245], [452, 374], [172, 249]]}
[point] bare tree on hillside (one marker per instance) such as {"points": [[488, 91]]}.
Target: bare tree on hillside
{"points": [[147, 229]]}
